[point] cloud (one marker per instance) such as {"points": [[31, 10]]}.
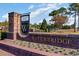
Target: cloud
{"points": [[5, 16], [70, 21], [30, 7], [44, 9], [52, 5], [41, 10]]}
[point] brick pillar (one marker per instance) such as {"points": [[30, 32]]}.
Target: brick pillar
{"points": [[14, 23]]}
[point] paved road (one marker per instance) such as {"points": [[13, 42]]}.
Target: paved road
{"points": [[4, 53]]}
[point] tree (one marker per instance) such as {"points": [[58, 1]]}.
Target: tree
{"points": [[59, 16], [39, 25], [66, 27], [50, 27], [54, 13], [44, 25], [35, 26], [74, 8], [59, 19], [62, 11], [72, 26]]}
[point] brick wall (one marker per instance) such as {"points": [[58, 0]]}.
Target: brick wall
{"points": [[68, 41]]}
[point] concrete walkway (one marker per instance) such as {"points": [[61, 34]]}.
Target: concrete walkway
{"points": [[4, 53]]}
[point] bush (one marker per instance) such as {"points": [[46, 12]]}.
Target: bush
{"points": [[3, 35], [66, 27]]}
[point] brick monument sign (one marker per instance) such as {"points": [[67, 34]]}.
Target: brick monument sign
{"points": [[18, 24]]}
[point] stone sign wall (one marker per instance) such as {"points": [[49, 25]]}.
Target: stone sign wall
{"points": [[67, 41]]}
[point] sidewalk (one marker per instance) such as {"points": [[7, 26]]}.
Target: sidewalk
{"points": [[4, 53]]}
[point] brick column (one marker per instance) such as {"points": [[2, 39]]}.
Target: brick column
{"points": [[14, 24]]}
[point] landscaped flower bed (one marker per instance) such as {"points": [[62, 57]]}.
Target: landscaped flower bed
{"points": [[44, 47]]}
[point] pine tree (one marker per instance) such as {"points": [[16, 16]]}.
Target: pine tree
{"points": [[44, 25]]}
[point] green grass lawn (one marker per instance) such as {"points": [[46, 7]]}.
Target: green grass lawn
{"points": [[64, 31]]}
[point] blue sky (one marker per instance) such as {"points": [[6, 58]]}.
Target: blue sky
{"points": [[39, 11]]}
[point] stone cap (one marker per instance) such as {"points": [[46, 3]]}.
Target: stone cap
{"points": [[14, 13]]}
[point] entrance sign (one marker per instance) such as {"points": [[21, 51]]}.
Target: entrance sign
{"points": [[19, 24], [25, 18]]}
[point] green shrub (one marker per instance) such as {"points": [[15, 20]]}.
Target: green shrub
{"points": [[65, 54], [66, 27], [3, 35]]}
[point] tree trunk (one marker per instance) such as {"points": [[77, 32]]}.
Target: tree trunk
{"points": [[78, 21], [75, 23]]}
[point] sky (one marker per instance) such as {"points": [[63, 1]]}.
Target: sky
{"points": [[39, 11]]}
